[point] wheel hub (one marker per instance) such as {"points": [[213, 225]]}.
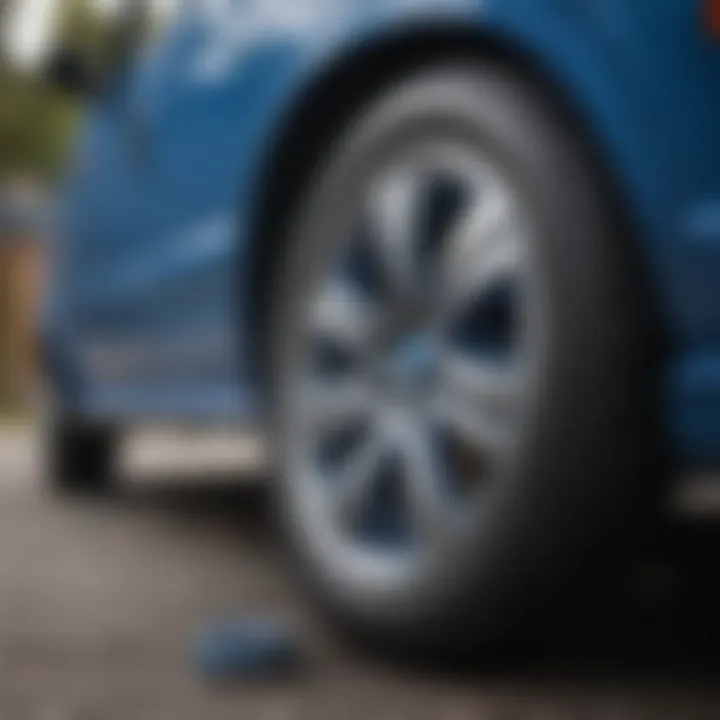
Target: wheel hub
{"points": [[413, 363]]}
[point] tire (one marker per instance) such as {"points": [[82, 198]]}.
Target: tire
{"points": [[81, 458], [573, 485]]}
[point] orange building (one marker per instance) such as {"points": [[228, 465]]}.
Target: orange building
{"points": [[20, 281]]}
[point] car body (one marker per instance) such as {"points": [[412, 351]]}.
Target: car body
{"points": [[155, 291]]}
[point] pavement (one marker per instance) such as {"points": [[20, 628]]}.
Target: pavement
{"points": [[99, 602]]}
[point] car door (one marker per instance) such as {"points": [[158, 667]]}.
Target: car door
{"points": [[178, 265], [99, 210], [195, 108], [151, 274]]}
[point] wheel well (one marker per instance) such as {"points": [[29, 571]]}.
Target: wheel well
{"points": [[327, 107]]}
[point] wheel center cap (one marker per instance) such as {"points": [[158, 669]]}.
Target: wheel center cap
{"points": [[413, 362]]}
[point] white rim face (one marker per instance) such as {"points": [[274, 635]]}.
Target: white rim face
{"points": [[419, 351]]}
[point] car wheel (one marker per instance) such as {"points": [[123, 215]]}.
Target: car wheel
{"points": [[81, 457], [463, 379]]}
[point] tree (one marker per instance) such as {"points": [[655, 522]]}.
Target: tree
{"points": [[85, 29], [36, 122], [34, 127]]}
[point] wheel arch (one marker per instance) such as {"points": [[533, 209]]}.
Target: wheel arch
{"points": [[327, 104]]}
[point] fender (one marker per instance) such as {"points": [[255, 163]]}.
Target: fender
{"points": [[557, 38]]}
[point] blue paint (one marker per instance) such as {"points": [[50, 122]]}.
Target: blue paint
{"points": [[414, 360], [254, 649], [176, 146]]}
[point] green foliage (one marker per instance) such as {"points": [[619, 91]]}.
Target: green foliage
{"points": [[36, 123], [82, 28]]}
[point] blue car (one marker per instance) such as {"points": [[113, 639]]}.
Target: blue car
{"points": [[458, 259]]}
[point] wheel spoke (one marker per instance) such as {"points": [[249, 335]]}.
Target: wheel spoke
{"points": [[341, 316], [395, 214], [332, 405], [352, 488], [478, 401], [423, 482], [484, 246], [495, 381], [472, 424], [478, 221], [495, 261]]}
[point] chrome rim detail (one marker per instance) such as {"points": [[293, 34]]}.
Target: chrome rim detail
{"points": [[411, 394]]}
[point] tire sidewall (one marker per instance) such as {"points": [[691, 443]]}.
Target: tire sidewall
{"points": [[576, 452]]}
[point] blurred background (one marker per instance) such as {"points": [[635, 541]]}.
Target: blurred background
{"points": [[36, 127], [99, 599]]}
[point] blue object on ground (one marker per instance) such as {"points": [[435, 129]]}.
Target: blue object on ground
{"points": [[259, 648]]}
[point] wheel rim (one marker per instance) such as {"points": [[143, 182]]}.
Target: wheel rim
{"points": [[419, 348]]}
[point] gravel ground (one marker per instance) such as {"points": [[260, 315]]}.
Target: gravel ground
{"points": [[100, 600]]}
